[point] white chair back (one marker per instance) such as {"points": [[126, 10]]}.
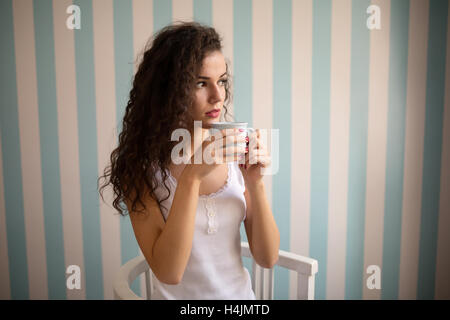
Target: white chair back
{"points": [[262, 278]]}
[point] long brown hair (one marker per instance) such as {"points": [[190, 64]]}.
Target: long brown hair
{"points": [[159, 102]]}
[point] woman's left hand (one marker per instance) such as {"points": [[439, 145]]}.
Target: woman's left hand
{"points": [[256, 158]]}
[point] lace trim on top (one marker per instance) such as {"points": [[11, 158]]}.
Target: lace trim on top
{"points": [[213, 194]]}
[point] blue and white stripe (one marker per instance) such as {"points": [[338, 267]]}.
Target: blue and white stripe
{"points": [[364, 130]]}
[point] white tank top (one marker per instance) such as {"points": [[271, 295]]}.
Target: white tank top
{"points": [[214, 269]]}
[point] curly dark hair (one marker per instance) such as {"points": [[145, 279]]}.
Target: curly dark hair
{"points": [[159, 102]]}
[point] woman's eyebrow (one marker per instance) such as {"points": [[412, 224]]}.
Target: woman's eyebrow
{"points": [[207, 78]]}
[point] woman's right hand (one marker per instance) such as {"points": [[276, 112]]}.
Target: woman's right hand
{"points": [[229, 146]]}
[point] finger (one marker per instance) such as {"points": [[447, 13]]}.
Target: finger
{"points": [[216, 134], [235, 153], [265, 161], [244, 159], [233, 145], [254, 134], [246, 164], [226, 139], [256, 155], [228, 142], [236, 142], [253, 159], [243, 163], [257, 152], [259, 160], [255, 142], [235, 150], [231, 153], [234, 139]]}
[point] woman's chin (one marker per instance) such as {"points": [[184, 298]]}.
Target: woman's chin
{"points": [[208, 121]]}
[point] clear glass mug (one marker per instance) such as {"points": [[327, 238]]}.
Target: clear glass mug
{"points": [[233, 125]]}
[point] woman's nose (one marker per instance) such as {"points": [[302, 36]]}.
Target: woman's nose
{"points": [[215, 94]]}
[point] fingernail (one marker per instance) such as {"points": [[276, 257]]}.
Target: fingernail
{"points": [[246, 148], [246, 139], [241, 130]]}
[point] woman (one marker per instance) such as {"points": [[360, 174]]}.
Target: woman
{"points": [[186, 217]]}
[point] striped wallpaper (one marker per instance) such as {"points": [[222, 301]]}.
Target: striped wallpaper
{"points": [[364, 128]]}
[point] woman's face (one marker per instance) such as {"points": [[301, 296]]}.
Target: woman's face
{"points": [[210, 89]]}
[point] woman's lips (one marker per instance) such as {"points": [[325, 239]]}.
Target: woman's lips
{"points": [[213, 114]]}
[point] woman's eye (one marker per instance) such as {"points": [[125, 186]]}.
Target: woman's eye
{"points": [[202, 83]]}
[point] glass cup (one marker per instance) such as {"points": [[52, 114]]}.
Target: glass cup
{"points": [[233, 125]]}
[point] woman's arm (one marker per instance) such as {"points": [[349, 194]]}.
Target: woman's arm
{"points": [[262, 232], [167, 246], [173, 247]]}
